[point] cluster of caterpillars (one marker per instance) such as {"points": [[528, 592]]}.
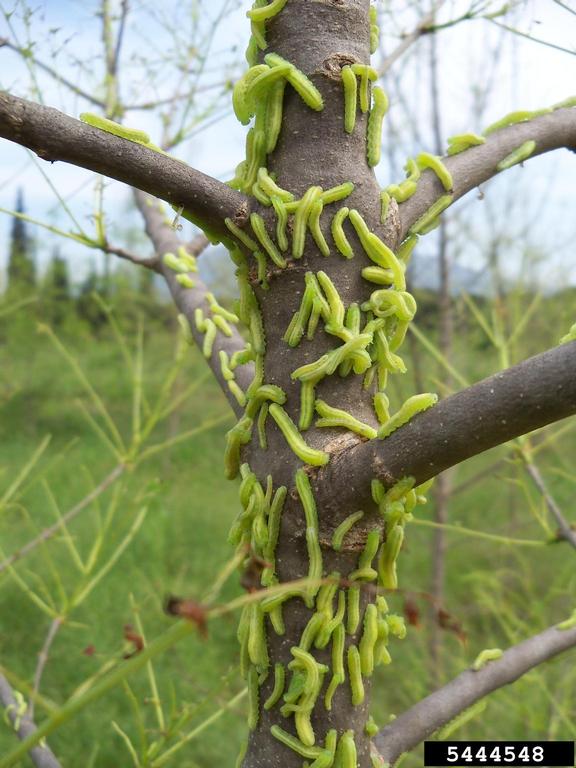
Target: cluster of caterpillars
{"points": [[369, 335], [357, 644]]}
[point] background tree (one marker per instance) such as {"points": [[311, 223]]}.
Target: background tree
{"points": [[313, 145], [56, 290], [21, 271]]}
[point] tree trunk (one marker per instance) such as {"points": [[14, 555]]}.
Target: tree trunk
{"points": [[313, 149]]}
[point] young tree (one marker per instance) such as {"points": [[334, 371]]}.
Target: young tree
{"points": [[321, 253]]}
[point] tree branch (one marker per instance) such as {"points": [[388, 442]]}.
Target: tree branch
{"points": [[42, 757], [565, 531], [43, 657], [413, 726], [538, 391], [52, 530], [188, 300], [476, 165], [53, 136], [423, 27]]}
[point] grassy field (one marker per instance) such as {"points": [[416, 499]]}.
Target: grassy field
{"points": [[498, 592]]}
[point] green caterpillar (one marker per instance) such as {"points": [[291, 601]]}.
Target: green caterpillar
{"points": [[368, 640], [244, 238], [238, 436], [266, 241], [371, 729], [353, 617], [338, 675], [346, 755], [377, 251], [345, 526], [520, 116], [278, 689], [388, 557], [485, 656], [366, 74], [435, 164], [307, 91], [338, 234], [429, 217], [267, 12], [316, 231], [307, 400], [304, 452], [568, 623], [355, 673], [329, 627], [412, 406], [350, 85], [521, 153], [301, 220], [110, 126], [253, 699], [314, 553], [457, 144], [402, 192], [335, 417], [335, 194], [295, 744], [570, 336], [374, 135], [374, 30]]}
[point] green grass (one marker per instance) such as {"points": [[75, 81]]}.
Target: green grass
{"points": [[498, 593]]}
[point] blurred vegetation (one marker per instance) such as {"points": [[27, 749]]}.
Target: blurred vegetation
{"points": [[499, 592]]}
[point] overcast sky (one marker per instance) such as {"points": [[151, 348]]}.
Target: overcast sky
{"points": [[525, 75]]}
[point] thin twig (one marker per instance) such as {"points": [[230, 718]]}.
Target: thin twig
{"points": [[42, 661], [198, 244], [146, 105], [41, 756], [120, 36], [528, 36], [5, 43], [151, 263], [566, 532], [565, 6], [49, 532], [422, 28]]}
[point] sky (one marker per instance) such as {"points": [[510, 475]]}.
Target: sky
{"points": [[534, 202]]}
